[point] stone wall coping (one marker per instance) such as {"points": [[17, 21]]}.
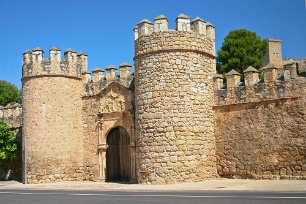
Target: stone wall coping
{"points": [[250, 69], [274, 40], [269, 66], [110, 67], [70, 50], [97, 69], [55, 48], [37, 49], [85, 72], [198, 19], [81, 53], [160, 17], [233, 72], [125, 64], [273, 100], [209, 24], [182, 16], [145, 21]]}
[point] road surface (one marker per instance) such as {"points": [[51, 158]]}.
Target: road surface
{"points": [[133, 197]]}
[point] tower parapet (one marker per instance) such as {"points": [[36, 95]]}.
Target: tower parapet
{"points": [[201, 38], [174, 119], [34, 64]]}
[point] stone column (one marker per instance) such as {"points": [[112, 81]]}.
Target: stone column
{"points": [[102, 147], [133, 162], [102, 162]]}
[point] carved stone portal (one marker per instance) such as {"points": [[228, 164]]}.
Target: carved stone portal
{"points": [[114, 101]]}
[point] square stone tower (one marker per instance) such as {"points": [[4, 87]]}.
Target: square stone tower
{"points": [[274, 54]]}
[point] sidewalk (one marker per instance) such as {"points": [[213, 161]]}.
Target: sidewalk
{"points": [[210, 185]]}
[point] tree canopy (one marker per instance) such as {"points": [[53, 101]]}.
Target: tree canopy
{"points": [[9, 93], [240, 49], [9, 146]]}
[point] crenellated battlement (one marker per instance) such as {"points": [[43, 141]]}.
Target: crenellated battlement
{"points": [[99, 79], [274, 86], [196, 35], [12, 115], [34, 63], [183, 23]]}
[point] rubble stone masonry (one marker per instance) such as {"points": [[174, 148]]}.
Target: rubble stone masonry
{"points": [[174, 98], [52, 126], [261, 130]]}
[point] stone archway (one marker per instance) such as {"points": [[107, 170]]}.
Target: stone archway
{"points": [[118, 156]]}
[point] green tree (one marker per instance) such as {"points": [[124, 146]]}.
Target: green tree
{"points": [[9, 146], [240, 49], [9, 93]]}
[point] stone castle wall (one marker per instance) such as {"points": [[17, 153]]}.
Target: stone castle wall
{"points": [[174, 90], [12, 115], [90, 139], [300, 64], [260, 127], [183, 123], [52, 123]]}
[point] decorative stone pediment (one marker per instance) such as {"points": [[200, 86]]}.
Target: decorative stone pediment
{"points": [[115, 98]]}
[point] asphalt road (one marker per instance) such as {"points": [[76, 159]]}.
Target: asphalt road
{"points": [[175, 197]]}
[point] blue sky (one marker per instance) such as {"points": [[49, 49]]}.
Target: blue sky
{"points": [[104, 29]]}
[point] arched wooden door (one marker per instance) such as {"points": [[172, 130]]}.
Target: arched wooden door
{"points": [[118, 155]]}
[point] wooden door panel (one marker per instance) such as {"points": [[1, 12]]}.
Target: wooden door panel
{"points": [[118, 155]]}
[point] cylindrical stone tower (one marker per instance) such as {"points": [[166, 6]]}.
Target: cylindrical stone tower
{"points": [[174, 98], [52, 116]]}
